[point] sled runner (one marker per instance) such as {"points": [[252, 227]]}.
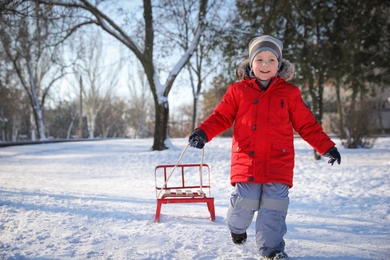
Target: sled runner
{"points": [[186, 185]]}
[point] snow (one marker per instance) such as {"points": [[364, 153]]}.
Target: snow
{"points": [[97, 199]]}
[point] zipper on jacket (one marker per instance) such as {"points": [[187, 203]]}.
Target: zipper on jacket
{"points": [[282, 103]]}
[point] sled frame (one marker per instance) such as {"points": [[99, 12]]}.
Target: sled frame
{"points": [[183, 193]]}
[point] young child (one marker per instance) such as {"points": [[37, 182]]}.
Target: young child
{"points": [[265, 109]]}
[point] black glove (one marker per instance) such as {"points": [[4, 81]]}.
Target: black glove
{"points": [[198, 139], [334, 155]]}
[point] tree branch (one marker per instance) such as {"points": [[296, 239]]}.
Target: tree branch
{"points": [[102, 20], [190, 51]]}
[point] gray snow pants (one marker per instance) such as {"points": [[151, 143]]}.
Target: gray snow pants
{"points": [[271, 201]]}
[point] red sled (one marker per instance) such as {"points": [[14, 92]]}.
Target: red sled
{"points": [[185, 186]]}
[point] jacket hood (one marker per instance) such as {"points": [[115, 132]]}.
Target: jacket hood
{"points": [[286, 72]]}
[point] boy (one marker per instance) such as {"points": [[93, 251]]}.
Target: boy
{"points": [[265, 109]]}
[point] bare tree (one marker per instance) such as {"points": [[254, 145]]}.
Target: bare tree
{"points": [[203, 65], [110, 121], [27, 42], [10, 7], [143, 52], [98, 77], [181, 16], [11, 110], [140, 109], [10, 96]]}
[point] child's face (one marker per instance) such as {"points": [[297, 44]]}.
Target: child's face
{"points": [[265, 65]]}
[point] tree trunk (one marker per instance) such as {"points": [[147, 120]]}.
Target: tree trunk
{"points": [[161, 126], [81, 109], [41, 126], [32, 127], [195, 117], [315, 109], [15, 133], [69, 129], [91, 125], [339, 111]]}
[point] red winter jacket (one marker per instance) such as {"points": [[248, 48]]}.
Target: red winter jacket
{"points": [[263, 140]]}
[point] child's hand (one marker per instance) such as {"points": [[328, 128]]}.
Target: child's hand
{"points": [[334, 155], [198, 139]]}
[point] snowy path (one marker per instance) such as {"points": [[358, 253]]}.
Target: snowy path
{"points": [[97, 200]]}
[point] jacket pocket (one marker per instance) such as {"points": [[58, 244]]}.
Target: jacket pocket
{"points": [[280, 150], [240, 153], [240, 146], [281, 159], [242, 160]]}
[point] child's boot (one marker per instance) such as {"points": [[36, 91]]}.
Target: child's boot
{"points": [[239, 239], [275, 256]]}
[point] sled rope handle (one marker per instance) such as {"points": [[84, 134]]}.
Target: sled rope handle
{"points": [[177, 163], [201, 173]]}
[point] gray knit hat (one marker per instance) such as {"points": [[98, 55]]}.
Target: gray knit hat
{"points": [[265, 43]]}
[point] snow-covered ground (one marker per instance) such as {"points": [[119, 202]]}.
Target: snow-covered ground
{"points": [[96, 199]]}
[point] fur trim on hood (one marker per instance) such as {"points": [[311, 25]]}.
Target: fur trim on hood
{"points": [[287, 70]]}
